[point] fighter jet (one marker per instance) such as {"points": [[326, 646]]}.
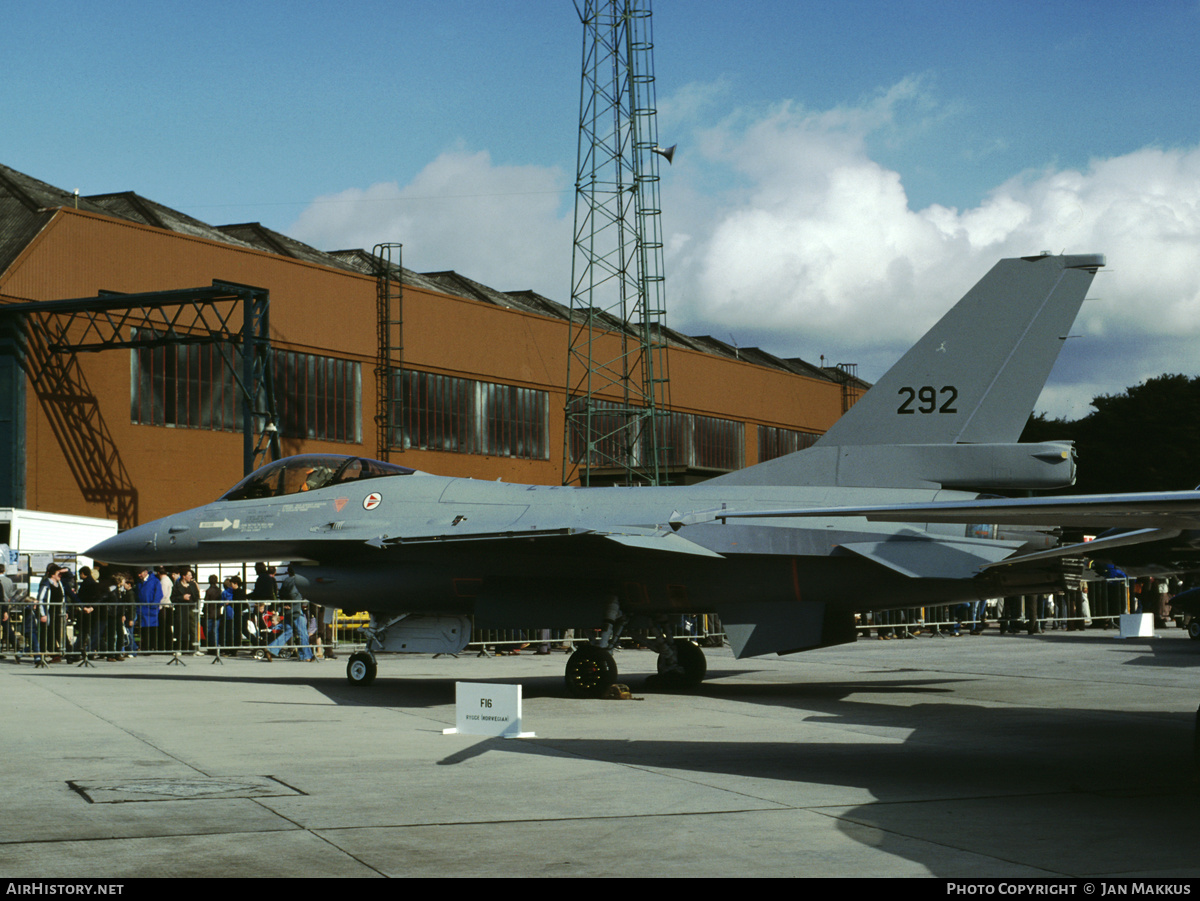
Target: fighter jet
{"points": [[430, 556]]}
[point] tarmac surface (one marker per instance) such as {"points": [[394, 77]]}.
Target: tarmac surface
{"points": [[1064, 754]]}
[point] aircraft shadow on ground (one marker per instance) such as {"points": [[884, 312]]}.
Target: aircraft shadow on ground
{"points": [[958, 745], [425, 691], [1065, 792]]}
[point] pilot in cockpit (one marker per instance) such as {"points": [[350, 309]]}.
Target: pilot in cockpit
{"points": [[316, 477]]}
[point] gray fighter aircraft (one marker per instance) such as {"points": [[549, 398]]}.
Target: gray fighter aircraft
{"points": [[428, 556]]}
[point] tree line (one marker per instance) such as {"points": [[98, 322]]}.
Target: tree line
{"points": [[1145, 439]]}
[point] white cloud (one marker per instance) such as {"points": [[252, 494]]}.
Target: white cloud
{"points": [[819, 251], [781, 230], [500, 225]]}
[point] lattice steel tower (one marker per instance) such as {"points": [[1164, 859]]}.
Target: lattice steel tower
{"points": [[617, 385]]}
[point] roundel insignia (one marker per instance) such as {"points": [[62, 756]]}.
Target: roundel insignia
{"points": [[372, 500]]}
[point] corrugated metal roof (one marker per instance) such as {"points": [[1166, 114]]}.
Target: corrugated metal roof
{"points": [[25, 208], [258, 235], [27, 204], [18, 226], [359, 260], [542, 305], [135, 208], [36, 195]]}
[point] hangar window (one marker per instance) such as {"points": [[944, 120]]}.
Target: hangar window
{"points": [[705, 442], [687, 439], [190, 386], [465, 416], [609, 430], [773, 442], [182, 385], [318, 397]]}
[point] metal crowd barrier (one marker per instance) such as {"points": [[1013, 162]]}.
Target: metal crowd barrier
{"points": [[115, 630], [1100, 607]]}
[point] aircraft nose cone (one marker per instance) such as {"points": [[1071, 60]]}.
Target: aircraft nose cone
{"points": [[136, 545]]}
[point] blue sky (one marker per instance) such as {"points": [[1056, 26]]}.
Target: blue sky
{"points": [[845, 170]]}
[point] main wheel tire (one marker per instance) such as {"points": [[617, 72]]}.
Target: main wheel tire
{"points": [[694, 664], [1194, 629], [361, 668], [590, 670]]}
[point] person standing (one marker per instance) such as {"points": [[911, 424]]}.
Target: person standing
{"points": [[167, 615], [122, 618], [265, 589], [8, 637], [37, 615], [214, 607], [88, 619], [263, 596], [148, 592], [237, 616], [185, 595]]}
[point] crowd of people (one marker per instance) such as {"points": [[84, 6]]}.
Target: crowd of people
{"points": [[85, 617], [161, 611], [1096, 604]]}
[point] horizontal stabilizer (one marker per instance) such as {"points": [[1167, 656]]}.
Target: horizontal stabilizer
{"points": [[922, 558], [1097, 548]]}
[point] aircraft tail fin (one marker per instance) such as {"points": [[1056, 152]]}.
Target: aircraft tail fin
{"points": [[975, 376], [971, 380]]}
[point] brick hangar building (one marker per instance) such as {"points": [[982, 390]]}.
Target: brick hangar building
{"points": [[113, 415]]}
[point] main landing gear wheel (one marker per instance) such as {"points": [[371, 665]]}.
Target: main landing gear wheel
{"points": [[590, 670], [691, 659], [361, 668]]}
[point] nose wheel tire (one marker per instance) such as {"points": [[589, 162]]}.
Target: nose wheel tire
{"points": [[361, 668], [590, 670]]}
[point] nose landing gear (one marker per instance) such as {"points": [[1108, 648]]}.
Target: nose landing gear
{"points": [[361, 668]]}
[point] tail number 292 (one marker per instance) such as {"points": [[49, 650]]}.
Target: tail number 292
{"points": [[926, 400]]}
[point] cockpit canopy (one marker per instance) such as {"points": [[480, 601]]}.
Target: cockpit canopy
{"points": [[308, 472]]}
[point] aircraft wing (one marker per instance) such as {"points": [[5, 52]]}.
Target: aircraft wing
{"points": [[664, 540], [335, 538], [1148, 518], [1151, 510]]}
